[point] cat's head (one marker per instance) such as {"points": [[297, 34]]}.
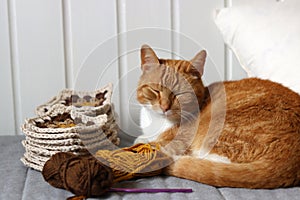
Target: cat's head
{"points": [[172, 88]]}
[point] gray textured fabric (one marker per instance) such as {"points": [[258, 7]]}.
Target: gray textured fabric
{"points": [[12, 172], [247, 194], [20, 183]]}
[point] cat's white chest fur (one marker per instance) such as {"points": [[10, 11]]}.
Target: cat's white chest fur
{"points": [[152, 125]]}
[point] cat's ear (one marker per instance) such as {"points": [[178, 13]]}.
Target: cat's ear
{"points": [[148, 56], [199, 61]]}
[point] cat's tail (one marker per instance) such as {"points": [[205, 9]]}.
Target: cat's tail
{"points": [[258, 174]]}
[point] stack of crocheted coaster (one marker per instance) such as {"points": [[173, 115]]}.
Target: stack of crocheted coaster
{"points": [[77, 122]]}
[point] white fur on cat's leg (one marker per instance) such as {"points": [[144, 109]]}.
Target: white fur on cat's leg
{"points": [[217, 158], [211, 157]]}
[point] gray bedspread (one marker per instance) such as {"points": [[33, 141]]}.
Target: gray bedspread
{"points": [[19, 182]]}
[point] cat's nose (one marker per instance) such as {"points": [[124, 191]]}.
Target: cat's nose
{"points": [[164, 107], [164, 104]]}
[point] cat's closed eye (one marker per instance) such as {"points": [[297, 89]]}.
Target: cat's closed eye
{"points": [[150, 93]]}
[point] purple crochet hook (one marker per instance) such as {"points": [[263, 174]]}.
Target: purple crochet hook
{"points": [[150, 190]]}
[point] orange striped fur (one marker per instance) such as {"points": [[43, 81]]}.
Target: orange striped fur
{"points": [[229, 134]]}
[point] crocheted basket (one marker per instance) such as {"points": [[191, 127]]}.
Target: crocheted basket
{"points": [[81, 101], [82, 127], [61, 121], [81, 138]]}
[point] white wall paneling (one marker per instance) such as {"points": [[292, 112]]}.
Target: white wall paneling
{"points": [[228, 63], [93, 50], [47, 45], [7, 121], [197, 31], [39, 52], [67, 38], [140, 22], [94, 42], [233, 70]]}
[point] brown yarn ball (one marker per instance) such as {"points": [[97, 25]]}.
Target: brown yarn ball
{"points": [[81, 175]]}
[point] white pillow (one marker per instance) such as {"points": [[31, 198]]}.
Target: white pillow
{"points": [[265, 36]]}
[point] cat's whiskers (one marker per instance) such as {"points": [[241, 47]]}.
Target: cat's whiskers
{"points": [[187, 116], [169, 113], [177, 94], [160, 112]]}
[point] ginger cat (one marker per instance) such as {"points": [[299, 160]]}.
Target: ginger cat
{"points": [[229, 134]]}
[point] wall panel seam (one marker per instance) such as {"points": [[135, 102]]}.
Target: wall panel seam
{"points": [[14, 60], [67, 42], [228, 65], [122, 61], [175, 28]]}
